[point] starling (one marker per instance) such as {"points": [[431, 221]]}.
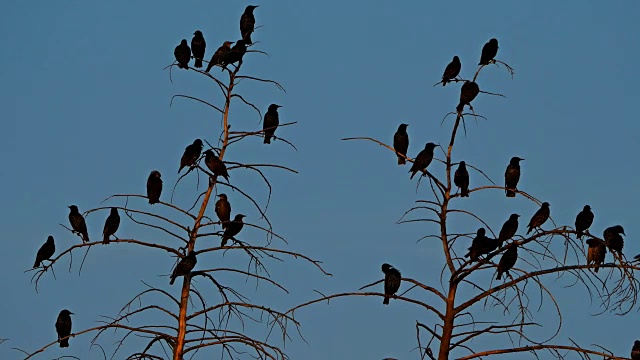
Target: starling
{"points": [[512, 176], [63, 327], [154, 187], [223, 210], [539, 217], [422, 160], [596, 253], [468, 92], [183, 54], [220, 55], [584, 220], [489, 51], [233, 228], [507, 260], [635, 351], [481, 245], [111, 225], [217, 167], [509, 229], [235, 54], [401, 143], [461, 179], [46, 251], [247, 22], [271, 122], [191, 154], [613, 238], [77, 223], [392, 279], [198, 46], [184, 267], [451, 71]]}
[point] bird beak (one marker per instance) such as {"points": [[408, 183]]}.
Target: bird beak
{"points": [[279, 106], [71, 313], [624, 233]]}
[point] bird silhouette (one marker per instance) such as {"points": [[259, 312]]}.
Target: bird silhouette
{"points": [[247, 23], [183, 54], [63, 327], [111, 225], [198, 47], [539, 217], [451, 71], [461, 179], [191, 154], [184, 267], [271, 122], [223, 210], [423, 160], [220, 56], [507, 260], [512, 176], [154, 187], [596, 253], [78, 224], [233, 229], [489, 51], [216, 165], [392, 279], [583, 221], [401, 143], [45, 252]]}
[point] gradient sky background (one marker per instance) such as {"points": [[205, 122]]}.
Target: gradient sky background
{"points": [[86, 114]]}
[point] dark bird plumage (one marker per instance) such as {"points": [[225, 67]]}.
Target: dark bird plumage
{"points": [[77, 223], [423, 160], [512, 176], [198, 47], [271, 122], [509, 229], [507, 260], [539, 217], [247, 23], [191, 154], [184, 267], [220, 56], [223, 210], [635, 350], [451, 71], [183, 54], [468, 92], [216, 165], [45, 252], [401, 143], [461, 179], [236, 53], [583, 220], [392, 280], [154, 187], [489, 51], [613, 239], [233, 229], [110, 225], [596, 253], [481, 245], [63, 327]]}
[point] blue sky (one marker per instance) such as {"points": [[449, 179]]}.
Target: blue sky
{"points": [[86, 114]]}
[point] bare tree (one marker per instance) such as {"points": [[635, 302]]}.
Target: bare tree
{"points": [[540, 256], [211, 313]]}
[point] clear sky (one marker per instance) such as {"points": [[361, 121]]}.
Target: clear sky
{"points": [[86, 114]]}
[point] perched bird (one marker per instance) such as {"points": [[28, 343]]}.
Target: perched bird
{"points": [[63, 327], [392, 279], [223, 210], [481, 245], [539, 217], [233, 228], [184, 267], [614, 240], [468, 92], [183, 54], [198, 47], [401, 143], [451, 71], [216, 165], [247, 23], [111, 225], [635, 351], [596, 253], [236, 53], [512, 176], [191, 154], [489, 51], [461, 179], [423, 160], [507, 260], [584, 220], [219, 57], [509, 229], [46, 251], [271, 122], [77, 223], [154, 187]]}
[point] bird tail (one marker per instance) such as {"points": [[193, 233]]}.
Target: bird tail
{"points": [[85, 236], [105, 239], [460, 107], [444, 82], [413, 174], [511, 193], [267, 139], [596, 267], [198, 63], [386, 300], [401, 160], [580, 234], [530, 228], [247, 39], [464, 192], [64, 343], [224, 241], [173, 279], [499, 275], [36, 264]]}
